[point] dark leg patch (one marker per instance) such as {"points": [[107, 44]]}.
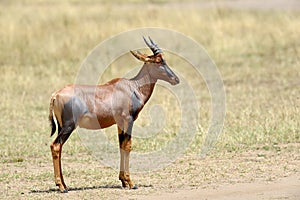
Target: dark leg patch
{"points": [[65, 132]]}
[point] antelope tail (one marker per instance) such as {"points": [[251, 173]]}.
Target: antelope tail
{"points": [[52, 122]]}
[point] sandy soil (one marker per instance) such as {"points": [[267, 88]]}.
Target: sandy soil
{"points": [[266, 172], [285, 188], [256, 174]]}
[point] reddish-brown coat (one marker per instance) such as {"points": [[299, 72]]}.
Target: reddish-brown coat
{"points": [[117, 102]]}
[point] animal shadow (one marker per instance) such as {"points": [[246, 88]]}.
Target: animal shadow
{"points": [[51, 190]]}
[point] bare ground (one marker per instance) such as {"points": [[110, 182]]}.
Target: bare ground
{"points": [[284, 188], [275, 178], [268, 172]]}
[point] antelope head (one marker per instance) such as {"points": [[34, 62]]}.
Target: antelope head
{"points": [[155, 64]]}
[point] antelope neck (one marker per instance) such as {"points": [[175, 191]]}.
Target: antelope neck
{"points": [[145, 83]]}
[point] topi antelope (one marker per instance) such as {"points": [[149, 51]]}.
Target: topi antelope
{"points": [[95, 107]]}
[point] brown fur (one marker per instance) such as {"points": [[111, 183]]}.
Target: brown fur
{"points": [[95, 107]]}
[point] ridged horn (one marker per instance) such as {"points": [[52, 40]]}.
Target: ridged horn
{"points": [[153, 46]]}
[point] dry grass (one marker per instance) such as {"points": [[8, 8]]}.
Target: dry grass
{"points": [[42, 44]]}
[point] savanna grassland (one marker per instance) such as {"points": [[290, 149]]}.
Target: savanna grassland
{"points": [[43, 43]]}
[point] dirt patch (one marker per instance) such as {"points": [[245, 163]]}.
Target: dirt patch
{"points": [[285, 188], [267, 172], [264, 173]]}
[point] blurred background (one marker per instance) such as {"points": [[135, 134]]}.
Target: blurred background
{"points": [[254, 44]]}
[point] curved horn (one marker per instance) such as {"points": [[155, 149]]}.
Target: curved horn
{"points": [[140, 56], [153, 46]]}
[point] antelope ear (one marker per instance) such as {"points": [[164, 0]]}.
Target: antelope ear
{"points": [[140, 56]]}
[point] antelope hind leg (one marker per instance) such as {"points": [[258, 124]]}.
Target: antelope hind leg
{"points": [[55, 150]]}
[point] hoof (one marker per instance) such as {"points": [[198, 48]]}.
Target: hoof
{"points": [[134, 187], [63, 191]]}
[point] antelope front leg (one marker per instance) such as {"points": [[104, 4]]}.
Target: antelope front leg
{"points": [[125, 148], [124, 175], [122, 169]]}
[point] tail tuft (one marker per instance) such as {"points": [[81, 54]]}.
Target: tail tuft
{"points": [[53, 127], [52, 122]]}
